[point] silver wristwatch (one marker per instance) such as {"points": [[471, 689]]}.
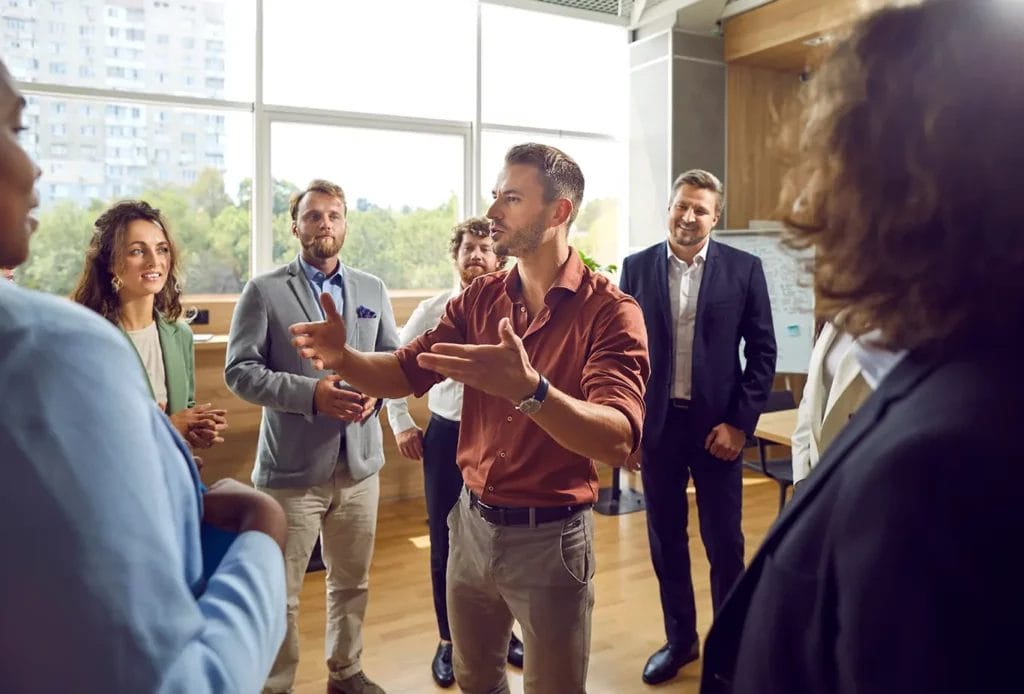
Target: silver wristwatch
{"points": [[533, 403]]}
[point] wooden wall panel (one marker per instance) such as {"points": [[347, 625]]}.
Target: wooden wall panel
{"points": [[758, 103], [772, 35]]}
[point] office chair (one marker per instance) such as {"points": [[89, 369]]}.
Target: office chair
{"points": [[781, 471]]}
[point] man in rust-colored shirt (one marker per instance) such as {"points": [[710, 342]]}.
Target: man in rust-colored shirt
{"points": [[554, 360]]}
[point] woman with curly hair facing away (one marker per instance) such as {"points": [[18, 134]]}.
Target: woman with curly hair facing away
{"points": [[889, 571]]}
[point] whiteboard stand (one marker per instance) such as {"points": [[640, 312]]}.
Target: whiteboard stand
{"points": [[616, 501]]}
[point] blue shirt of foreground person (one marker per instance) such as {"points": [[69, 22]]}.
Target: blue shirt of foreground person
{"points": [[103, 585]]}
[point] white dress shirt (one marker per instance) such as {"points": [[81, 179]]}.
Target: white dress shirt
{"points": [[683, 288], [445, 398], [875, 362]]}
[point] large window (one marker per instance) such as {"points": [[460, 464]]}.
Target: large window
{"points": [[547, 71], [401, 57], [216, 112], [195, 165], [181, 48], [400, 213]]}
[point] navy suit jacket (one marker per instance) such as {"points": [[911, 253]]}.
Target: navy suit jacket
{"points": [[732, 304], [891, 569]]}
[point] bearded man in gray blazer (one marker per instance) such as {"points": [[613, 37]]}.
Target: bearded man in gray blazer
{"points": [[320, 443]]}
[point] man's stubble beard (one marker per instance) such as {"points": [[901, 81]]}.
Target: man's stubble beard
{"points": [[525, 242]]}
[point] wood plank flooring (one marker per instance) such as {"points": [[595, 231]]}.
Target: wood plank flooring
{"points": [[400, 633]]}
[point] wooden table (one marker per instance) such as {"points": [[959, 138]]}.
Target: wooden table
{"points": [[777, 427]]}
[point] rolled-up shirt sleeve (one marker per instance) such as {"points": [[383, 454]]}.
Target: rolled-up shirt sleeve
{"points": [[618, 366]]}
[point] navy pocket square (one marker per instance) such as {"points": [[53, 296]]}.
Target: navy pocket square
{"points": [[363, 312]]}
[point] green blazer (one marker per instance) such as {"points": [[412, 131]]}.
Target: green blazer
{"points": [[178, 351]]}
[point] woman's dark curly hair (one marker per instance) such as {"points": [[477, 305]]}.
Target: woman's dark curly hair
{"points": [[909, 186], [106, 253]]}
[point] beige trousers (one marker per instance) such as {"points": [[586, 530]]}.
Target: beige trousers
{"points": [[343, 513], [541, 577]]}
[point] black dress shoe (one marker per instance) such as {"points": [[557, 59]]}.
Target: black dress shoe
{"points": [[515, 652], [441, 667], [666, 661]]}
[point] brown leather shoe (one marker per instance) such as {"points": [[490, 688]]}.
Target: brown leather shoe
{"points": [[358, 683]]}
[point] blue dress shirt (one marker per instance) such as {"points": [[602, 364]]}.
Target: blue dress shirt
{"points": [[320, 283], [103, 587]]}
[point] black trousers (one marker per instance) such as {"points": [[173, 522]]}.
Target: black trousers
{"points": [[667, 467], [442, 483]]}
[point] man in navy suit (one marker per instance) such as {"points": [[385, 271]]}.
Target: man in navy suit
{"points": [[699, 299], [891, 570]]}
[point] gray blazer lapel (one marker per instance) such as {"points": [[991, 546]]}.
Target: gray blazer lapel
{"points": [[348, 311], [300, 288]]}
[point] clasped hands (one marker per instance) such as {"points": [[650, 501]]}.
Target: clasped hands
{"points": [[201, 425]]}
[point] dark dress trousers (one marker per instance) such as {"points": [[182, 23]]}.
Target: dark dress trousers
{"points": [[732, 304], [891, 569]]}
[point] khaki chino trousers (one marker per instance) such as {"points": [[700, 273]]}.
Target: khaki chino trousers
{"points": [[541, 577]]}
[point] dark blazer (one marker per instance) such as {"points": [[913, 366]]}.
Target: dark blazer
{"points": [[890, 571], [732, 304]]}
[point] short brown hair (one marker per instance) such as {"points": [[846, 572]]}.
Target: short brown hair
{"points": [[559, 173], [317, 185], [705, 180], [908, 186], [477, 226], [104, 254]]}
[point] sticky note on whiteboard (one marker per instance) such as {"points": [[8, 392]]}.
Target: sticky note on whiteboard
{"points": [[793, 330]]}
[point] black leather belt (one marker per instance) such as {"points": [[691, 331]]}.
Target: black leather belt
{"points": [[507, 515], [680, 404], [443, 421]]}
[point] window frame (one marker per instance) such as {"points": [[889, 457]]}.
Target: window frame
{"points": [[265, 115]]}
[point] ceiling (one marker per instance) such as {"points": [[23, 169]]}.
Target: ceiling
{"points": [[699, 16]]}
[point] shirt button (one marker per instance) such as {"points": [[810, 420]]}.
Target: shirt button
{"points": [[502, 454], [522, 309], [490, 489], [510, 418]]}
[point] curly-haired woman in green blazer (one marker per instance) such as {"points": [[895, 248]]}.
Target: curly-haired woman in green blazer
{"points": [[130, 278]]}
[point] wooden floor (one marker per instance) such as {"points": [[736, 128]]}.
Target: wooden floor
{"points": [[400, 632]]}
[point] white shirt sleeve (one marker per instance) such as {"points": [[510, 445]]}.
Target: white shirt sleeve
{"points": [[425, 317], [801, 439]]}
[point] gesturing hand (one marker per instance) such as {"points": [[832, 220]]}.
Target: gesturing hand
{"points": [[340, 403], [503, 369], [323, 342], [725, 441]]}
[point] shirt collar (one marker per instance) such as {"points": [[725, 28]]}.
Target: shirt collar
{"points": [[314, 275], [699, 259], [875, 362], [569, 277]]}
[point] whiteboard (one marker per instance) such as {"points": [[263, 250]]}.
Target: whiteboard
{"points": [[789, 289]]}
